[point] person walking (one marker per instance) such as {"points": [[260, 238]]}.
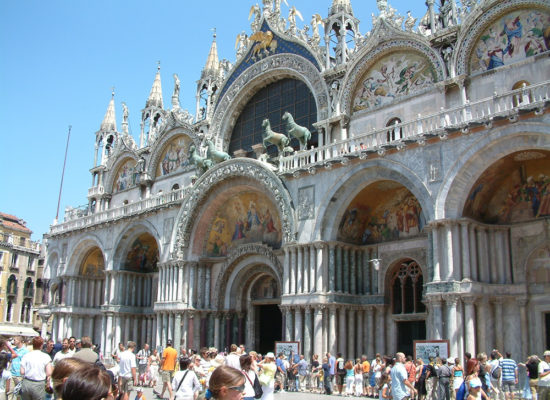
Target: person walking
{"points": [[143, 361], [127, 377], [36, 368], [509, 376], [267, 377], [543, 390], [185, 383], [458, 375], [399, 380], [444, 386], [15, 370], [167, 368]]}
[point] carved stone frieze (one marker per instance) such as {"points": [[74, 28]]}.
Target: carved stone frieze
{"points": [[235, 168]]}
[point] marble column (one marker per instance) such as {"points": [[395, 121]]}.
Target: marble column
{"points": [[524, 334], [369, 334], [437, 319], [342, 330], [217, 330], [108, 349], [436, 258], [331, 269], [179, 294], [353, 273], [469, 324], [346, 270], [197, 329], [332, 335], [338, 268], [474, 268], [312, 251], [177, 330], [298, 325], [359, 333], [307, 333], [484, 268], [465, 237], [185, 284], [289, 326], [499, 322], [292, 270], [381, 329], [299, 270], [185, 331], [318, 332], [351, 334], [506, 254], [286, 272], [451, 331], [482, 314]]}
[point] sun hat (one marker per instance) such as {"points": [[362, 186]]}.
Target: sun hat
{"points": [[270, 355], [546, 353]]}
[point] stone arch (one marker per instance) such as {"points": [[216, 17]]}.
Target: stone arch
{"points": [[368, 56], [114, 165], [478, 21], [536, 264], [163, 142], [390, 271], [247, 168], [80, 250], [341, 194], [482, 153], [259, 75], [128, 236], [242, 266]]}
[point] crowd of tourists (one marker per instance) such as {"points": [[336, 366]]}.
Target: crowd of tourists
{"points": [[76, 369]]}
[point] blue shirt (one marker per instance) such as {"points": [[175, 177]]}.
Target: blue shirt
{"points": [[332, 363], [398, 375], [509, 368], [280, 364], [302, 367], [16, 362]]}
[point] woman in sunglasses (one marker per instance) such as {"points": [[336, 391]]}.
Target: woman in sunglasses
{"points": [[226, 383]]}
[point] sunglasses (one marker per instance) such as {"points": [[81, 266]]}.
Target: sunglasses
{"points": [[239, 389]]}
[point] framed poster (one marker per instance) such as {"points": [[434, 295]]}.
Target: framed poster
{"points": [[425, 349], [287, 348]]}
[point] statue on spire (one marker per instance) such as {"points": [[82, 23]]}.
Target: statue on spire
{"points": [[125, 114], [176, 95]]}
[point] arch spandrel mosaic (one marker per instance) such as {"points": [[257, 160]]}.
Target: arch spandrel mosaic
{"points": [[143, 255], [511, 38], [93, 265], [248, 217], [516, 188], [383, 211], [175, 156], [127, 176], [391, 77]]}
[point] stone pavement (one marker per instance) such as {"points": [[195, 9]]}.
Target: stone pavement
{"points": [[149, 395]]}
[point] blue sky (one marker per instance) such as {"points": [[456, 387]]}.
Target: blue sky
{"points": [[59, 60]]}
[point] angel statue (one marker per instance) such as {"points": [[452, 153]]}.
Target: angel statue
{"points": [[316, 20], [255, 11], [240, 44], [268, 6], [409, 22], [176, 94], [124, 113], [292, 13], [277, 7]]}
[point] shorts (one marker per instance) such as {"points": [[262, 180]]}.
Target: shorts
{"points": [[508, 386], [166, 375], [142, 368], [365, 379], [126, 385], [280, 379], [340, 379]]}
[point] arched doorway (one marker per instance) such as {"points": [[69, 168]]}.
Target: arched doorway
{"points": [[409, 313], [268, 326]]}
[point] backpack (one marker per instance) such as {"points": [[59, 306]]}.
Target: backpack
{"points": [[496, 372], [462, 392]]}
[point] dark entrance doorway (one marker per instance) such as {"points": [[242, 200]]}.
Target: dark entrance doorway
{"points": [[407, 333], [270, 326], [547, 323]]}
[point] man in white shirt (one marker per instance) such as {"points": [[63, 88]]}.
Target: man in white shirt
{"points": [[127, 377], [543, 391], [64, 353], [233, 358], [36, 367], [143, 359]]}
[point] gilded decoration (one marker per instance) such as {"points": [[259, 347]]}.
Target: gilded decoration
{"points": [[249, 217], [127, 176], [143, 255], [393, 76], [516, 188], [511, 38], [175, 157], [93, 265], [383, 211]]}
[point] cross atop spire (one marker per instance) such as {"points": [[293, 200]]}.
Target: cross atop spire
{"points": [[212, 62], [109, 121], [155, 96]]}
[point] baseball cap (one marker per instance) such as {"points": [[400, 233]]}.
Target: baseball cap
{"points": [[546, 353]]}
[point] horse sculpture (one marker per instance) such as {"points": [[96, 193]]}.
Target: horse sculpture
{"points": [[278, 139], [293, 129], [216, 156], [202, 163]]}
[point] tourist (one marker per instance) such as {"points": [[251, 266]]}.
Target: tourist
{"points": [[267, 377], [376, 373], [431, 380], [49, 348], [421, 372], [143, 360], [350, 377], [495, 374], [250, 375], [64, 353], [532, 366], [117, 352], [314, 381], [332, 363], [232, 359], [227, 383], [340, 372], [483, 374], [36, 367], [472, 370], [327, 376], [302, 373], [509, 376], [20, 349], [384, 387], [410, 367], [88, 384], [86, 353], [458, 375], [5, 375], [127, 377], [358, 377], [444, 373], [185, 383], [61, 371], [474, 392], [280, 376], [153, 365], [167, 368], [543, 391], [399, 379], [72, 345], [366, 371]]}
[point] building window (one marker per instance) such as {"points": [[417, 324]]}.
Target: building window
{"points": [[28, 288], [395, 132], [9, 309], [12, 285], [272, 102], [406, 289], [14, 257]]}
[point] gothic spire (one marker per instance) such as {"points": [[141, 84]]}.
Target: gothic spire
{"points": [[212, 62], [155, 97], [341, 6], [109, 121]]}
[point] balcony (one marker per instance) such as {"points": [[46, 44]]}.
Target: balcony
{"points": [[90, 219], [96, 191], [462, 118]]}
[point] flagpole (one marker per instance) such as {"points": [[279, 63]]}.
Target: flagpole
{"points": [[63, 174]]}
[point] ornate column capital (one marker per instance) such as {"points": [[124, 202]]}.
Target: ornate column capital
{"points": [[522, 301], [308, 308], [469, 300], [451, 299]]}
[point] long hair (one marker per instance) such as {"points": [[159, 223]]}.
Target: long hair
{"points": [[471, 366], [63, 369]]}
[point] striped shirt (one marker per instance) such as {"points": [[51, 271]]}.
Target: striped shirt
{"points": [[509, 368]]}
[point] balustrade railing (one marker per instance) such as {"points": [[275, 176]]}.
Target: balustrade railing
{"points": [[471, 113]]}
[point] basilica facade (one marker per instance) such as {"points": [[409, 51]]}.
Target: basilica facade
{"points": [[353, 192]]}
